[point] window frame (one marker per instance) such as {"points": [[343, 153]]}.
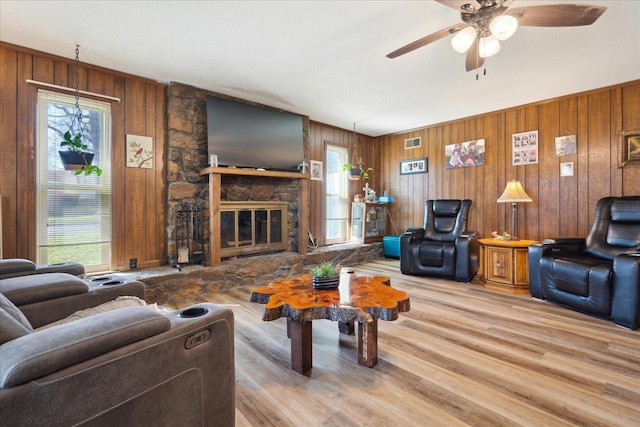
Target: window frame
{"points": [[51, 177], [342, 194]]}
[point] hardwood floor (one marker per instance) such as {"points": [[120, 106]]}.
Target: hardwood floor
{"points": [[462, 355]]}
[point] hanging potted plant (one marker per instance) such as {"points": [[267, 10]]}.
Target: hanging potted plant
{"points": [[76, 157], [356, 169]]}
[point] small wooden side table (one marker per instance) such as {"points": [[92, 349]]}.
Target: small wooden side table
{"points": [[504, 265]]}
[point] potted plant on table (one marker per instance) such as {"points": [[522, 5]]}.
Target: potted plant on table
{"points": [[326, 275]]}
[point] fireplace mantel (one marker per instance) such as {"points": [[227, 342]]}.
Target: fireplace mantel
{"points": [[215, 185], [254, 172]]}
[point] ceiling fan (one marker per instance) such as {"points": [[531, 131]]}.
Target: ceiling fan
{"points": [[486, 22]]}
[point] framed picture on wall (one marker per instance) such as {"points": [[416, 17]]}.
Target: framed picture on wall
{"points": [[316, 170], [408, 167], [525, 148], [566, 169], [629, 148], [465, 154], [139, 151], [566, 145]]}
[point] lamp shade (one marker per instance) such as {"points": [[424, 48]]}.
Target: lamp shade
{"points": [[514, 193], [503, 26], [462, 41], [488, 46]]}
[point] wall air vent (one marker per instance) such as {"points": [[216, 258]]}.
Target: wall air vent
{"points": [[412, 143]]}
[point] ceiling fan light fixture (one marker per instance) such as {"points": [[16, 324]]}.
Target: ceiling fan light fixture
{"points": [[488, 46], [503, 26], [462, 41]]}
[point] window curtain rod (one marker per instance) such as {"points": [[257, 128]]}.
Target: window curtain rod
{"points": [[70, 89]]}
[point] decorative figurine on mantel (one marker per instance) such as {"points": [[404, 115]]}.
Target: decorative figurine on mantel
{"points": [[369, 193]]}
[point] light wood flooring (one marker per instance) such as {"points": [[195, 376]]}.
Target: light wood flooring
{"points": [[462, 355]]}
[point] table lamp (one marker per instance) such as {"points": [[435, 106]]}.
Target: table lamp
{"points": [[514, 193]]}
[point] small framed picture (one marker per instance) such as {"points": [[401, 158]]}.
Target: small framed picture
{"points": [[139, 152], [566, 145], [316, 170], [629, 149], [566, 169], [408, 167]]}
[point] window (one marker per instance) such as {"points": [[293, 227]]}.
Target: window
{"points": [[74, 211], [337, 194]]}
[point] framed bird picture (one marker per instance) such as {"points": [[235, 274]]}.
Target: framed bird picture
{"points": [[139, 152]]}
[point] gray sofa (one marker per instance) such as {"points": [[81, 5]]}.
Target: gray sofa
{"points": [[129, 366]]}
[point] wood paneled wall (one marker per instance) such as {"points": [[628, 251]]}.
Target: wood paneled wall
{"points": [[319, 136], [562, 206], [139, 195]]}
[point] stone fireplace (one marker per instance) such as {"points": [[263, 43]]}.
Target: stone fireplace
{"points": [[187, 157]]}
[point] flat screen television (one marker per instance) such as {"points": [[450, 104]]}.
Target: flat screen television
{"points": [[248, 136]]}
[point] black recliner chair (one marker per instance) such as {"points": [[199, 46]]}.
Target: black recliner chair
{"points": [[443, 246], [599, 275]]}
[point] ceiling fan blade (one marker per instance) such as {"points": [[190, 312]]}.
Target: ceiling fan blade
{"points": [[473, 58], [557, 15], [426, 40], [457, 4]]}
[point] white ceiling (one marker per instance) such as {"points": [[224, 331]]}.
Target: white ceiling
{"points": [[326, 59]]}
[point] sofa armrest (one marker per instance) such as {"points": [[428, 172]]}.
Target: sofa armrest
{"points": [[468, 234], [16, 266], [34, 288], [625, 305], [43, 352], [549, 247], [45, 312], [467, 255], [414, 232], [564, 245]]}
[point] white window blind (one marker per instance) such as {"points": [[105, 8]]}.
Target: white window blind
{"points": [[74, 211]]}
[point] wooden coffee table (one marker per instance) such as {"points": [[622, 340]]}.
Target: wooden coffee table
{"points": [[359, 299]]}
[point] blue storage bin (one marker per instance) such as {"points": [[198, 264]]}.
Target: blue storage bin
{"points": [[391, 246]]}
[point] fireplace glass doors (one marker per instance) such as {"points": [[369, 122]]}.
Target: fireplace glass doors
{"points": [[252, 227]]}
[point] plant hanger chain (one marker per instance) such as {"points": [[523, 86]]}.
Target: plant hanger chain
{"points": [[355, 159], [77, 116]]}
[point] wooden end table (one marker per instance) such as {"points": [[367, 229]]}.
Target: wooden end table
{"points": [[359, 299], [504, 265]]}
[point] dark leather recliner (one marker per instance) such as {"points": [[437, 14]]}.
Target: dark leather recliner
{"points": [[599, 275], [443, 246]]}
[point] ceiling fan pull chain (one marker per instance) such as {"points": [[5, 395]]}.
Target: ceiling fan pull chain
{"points": [[477, 61]]}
